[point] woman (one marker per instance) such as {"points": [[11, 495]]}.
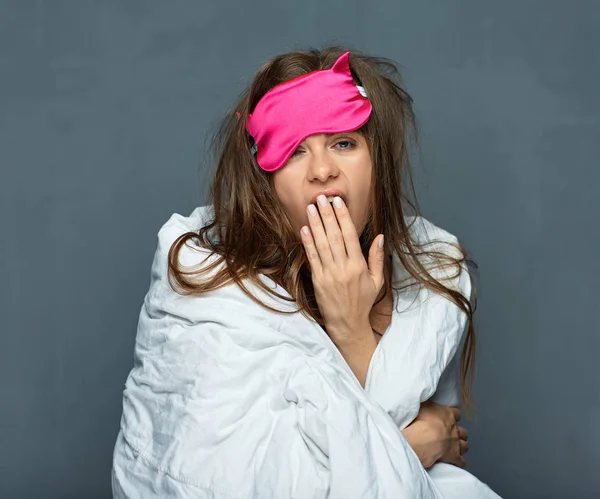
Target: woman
{"points": [[284, 349]]}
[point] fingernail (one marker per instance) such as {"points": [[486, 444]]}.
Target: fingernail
{"points": [[380, 244], [337, 201], [312, 210], [305, 230], [322, 200]]}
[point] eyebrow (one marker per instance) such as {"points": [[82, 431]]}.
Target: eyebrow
{"points": [[335, 135], [345, 133]]}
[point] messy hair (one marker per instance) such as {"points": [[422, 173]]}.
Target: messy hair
{"points": [[251, 233]]}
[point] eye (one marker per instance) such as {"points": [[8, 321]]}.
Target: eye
{"points": [[346, 144], [296, 152]]}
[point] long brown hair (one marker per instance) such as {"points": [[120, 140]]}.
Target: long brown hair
{"points": [[251, 232]]}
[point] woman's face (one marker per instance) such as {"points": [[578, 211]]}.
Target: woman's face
{"points": [[326, 161]]}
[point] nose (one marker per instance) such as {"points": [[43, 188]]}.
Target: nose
{"points": [[322, 166]]}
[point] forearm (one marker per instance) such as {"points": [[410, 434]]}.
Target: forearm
{"points": [[358, 354]]}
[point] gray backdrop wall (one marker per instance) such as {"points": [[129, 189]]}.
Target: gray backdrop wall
{"points": [[104, 109]]}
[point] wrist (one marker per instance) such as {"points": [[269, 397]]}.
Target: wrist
{"points": [[354, 345], [416, 436], [357, 351], [352, 338]]}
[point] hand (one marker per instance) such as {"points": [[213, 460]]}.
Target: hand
{"points": [[435, 436], [345, 287]]}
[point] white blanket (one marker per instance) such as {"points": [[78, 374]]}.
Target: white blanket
{"points": [[229, 400]]}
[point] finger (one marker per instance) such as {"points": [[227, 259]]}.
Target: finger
{"points": [[457, 458], [454, 433], [464, 446], [335, 238], [348, 229], [456, 413], [319, 236], [463, 434], [311, 250], [376, 261], [454, 458]]}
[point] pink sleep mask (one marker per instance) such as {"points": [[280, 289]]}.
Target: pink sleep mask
{"points": [[324, 101]]}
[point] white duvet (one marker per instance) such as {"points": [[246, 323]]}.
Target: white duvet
{"points": [[229, 400]]}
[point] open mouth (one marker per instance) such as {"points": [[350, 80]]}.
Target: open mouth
{"points": [[330, 197]]}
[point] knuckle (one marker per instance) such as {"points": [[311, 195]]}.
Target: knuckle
{"points": [[344, 217], [327, 278], [352, 270], [350, 234], [360, 266], [322, 245], [336, 238], [343, 280]]}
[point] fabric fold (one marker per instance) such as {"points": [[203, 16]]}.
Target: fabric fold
{"points": [[229, 400]]}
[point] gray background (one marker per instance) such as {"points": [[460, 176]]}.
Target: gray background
{"points": [[104, 109]]}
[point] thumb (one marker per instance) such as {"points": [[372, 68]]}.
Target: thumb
{"points": [[376, 261]]}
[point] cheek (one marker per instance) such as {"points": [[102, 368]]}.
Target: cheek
{"points": [[360, 209], [295, 211], [291, 200]]}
